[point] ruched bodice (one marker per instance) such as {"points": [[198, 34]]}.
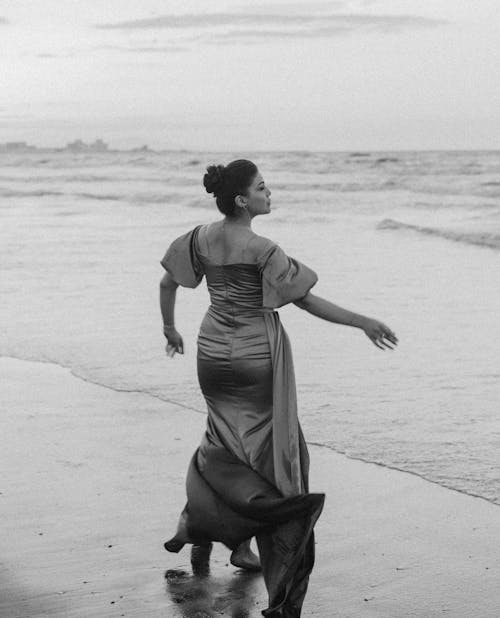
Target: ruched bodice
{"points": [[233, 327], [234, 288]]}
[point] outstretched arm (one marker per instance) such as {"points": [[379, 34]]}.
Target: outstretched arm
{"points": [[168, 291], [380, 334]]}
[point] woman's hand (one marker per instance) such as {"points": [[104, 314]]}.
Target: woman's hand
{"points": [[380, 334], [175, 343]]}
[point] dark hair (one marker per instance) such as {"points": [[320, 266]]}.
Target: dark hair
{"points": [[226, 182]]}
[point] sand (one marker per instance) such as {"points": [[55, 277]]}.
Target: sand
{"points": [[93, 482]]}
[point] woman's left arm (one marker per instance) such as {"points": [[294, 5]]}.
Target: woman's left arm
{"points": [[168, 291], [380, 334]]}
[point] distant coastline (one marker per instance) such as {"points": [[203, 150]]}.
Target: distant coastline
{"points": [[99, 146], [77, 146]]}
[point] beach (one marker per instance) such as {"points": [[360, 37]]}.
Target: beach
{"points": [[93, 481], [374, 130], [98, 425]]}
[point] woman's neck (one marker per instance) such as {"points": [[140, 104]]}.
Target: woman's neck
{"points": [[243, 220]]}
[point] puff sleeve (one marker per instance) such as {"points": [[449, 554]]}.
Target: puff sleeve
{"points": [[182, 262], [284, 279]]}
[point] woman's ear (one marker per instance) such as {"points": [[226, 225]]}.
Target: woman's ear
{"points": [[240, 201]]}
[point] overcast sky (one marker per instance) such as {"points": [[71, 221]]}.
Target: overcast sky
{"points": [[214, 74]]}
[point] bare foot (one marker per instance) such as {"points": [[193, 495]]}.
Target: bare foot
{"points": [[244, 558], [200, 558]]}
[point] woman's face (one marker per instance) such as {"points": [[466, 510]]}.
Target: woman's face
{"points": [[258, 198]]}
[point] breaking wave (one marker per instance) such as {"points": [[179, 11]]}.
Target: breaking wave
{"points": [[484, 239], [36, 193]]}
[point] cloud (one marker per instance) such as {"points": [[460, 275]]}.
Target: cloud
{"points": [[138, 49], [297, 6], [3, 21], [247, 28], [201, 20], [145, 49], [249, 36], [321, 29], [158, 50], [385, 22], [295, 24]]}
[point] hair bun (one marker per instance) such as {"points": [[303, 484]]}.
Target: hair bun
{"points": [[213, 180]]}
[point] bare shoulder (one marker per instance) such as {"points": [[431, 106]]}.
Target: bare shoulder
{"points": [[207, 232], [259, 245]]}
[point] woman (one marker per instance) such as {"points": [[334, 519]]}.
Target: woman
{"points": [[249, 476]]}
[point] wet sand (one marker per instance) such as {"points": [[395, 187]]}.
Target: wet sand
{"points": [[93, 482]]}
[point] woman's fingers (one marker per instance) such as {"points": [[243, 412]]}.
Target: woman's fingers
{"points": [[381, 335], [391, 339], [376, 342], [175, 344], [172, 348], [383, 341], [386, 341], [386, 333]]}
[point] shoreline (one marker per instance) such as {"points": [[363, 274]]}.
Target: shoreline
{"points": [[396, 469], [94, 482], [203, 413]]}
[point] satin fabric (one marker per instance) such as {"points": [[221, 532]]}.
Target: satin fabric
{"points": [[249, 476]]}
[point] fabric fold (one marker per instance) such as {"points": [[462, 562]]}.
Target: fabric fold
{"points": [[284, 279], [229, 502], [286, 449], [182, 262]]}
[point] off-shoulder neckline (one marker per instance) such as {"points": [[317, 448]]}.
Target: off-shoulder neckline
{"points": [[264, 244]]}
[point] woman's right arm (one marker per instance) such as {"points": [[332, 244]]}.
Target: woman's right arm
{"points": [[376, 331], [168, 291]]}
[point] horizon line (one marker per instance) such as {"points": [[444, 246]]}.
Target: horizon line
{"points": [[147, 149]]}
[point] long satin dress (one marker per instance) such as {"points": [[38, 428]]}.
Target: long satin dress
{"points": [[249, 477]]}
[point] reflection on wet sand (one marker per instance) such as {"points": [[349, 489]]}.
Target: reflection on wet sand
{"points": [[204, 596]]}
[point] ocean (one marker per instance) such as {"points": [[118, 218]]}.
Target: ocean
{"points": [[410, 238]]}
